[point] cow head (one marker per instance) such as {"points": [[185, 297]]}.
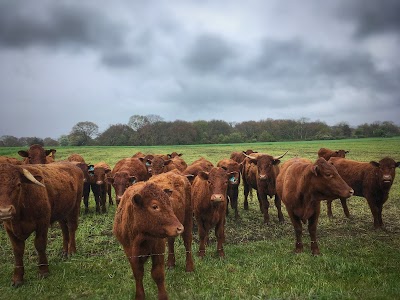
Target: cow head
{"points": [[36, 154], [174, 154], [327, 181], [217, 180], [385, 171], [340, 153], [11, 180], [156, 165], [155, 214], [121, 181], [100, 175]]}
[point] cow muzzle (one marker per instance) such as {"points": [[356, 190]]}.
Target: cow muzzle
{"points": [[387, 179], [7, 213], [262, 177], [99, 182], [216, 198]]}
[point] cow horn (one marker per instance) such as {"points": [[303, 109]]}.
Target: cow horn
{"points": [[251, 157], [29, 176], [279, 157]]}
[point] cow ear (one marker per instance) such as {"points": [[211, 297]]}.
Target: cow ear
{"points": [[315, 170], [107, 171], [203, 175], [137, 199], [49, 151], [132, 179], [190, 177], [225, 168], [398, 164], [168, 192], [374, 163], [276, 162], [23, 153], [346, 151]]}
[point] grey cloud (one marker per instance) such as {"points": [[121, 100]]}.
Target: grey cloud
{"points": [[24, 24], [208, 53]]}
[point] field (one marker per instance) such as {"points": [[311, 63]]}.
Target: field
{"points": [[357, 261]]}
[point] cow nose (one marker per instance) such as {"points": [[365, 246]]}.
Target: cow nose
{"points": [[217, 198], [99, 182], [262, 177], [387, 178], [6, 213], [351, 192], [180, 229]]}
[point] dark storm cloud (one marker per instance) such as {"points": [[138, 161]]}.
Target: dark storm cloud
{"points": [[208, 53], [372, 16], [30, 23]]}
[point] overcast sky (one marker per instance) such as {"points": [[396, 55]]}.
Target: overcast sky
{"points": [[64, 62]]}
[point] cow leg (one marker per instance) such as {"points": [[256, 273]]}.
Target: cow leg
{"points": [[40, 245], [103, 196], [171, 253], [220, 234], [86, 192], [278, 206], [246, 191], [344, 206], [329, 208], [264, 206], [187, 237], [137, 266], [65, 234], [203, 237], [376, 212], [18, 249], [72, 224], [234, 195], [298, 228], [158, 275], [312, 229]]}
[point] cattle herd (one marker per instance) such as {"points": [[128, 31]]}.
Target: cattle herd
{"points": [[159, 197]]}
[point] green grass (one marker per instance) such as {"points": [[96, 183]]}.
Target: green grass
{"points": [[357, 262]]}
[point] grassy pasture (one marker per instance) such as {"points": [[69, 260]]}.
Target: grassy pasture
{"points": [[357, 262]]}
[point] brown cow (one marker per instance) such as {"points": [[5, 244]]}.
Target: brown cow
{"points": [[156, 164], [126, 172], [9, 160], [233, 184], [75, 157], [240, 156], [31, 198], [195, 167], [100, 185], [209, 205], [371, 180], [36, 154], [302, 184], [259, 172], [180, 197], [142, 220], [328, 153]]}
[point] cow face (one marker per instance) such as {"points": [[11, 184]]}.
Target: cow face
{"points": [[340, 153], [11, 180], [100, 175], [217, 180], [267, 171], [155, 214], [35, 155], [328, 182], [385, 171], [85, 170], [121, 181], [157, 165]]}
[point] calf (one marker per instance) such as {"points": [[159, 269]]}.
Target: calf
{"points": [[31, 198], [302, 185], [100, 185], [328, 153], [36, 154], [259, 172], [233, 184], [156, 164], [209, 205], [371, 180], [240, 156], [179, 194], [126, 172], [195, 167], [142, 220]]}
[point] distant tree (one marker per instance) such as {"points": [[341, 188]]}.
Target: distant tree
{"points": [[181, 133], [116, 135], [50, 142], [137, 121], [63, 140], [34, 140], [83, 133], [10, 141], [342, 130]]}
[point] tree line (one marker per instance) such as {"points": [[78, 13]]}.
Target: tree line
{"points": [[152, 130]]}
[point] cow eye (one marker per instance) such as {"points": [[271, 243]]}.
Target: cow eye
{"points": [[155, 207]]}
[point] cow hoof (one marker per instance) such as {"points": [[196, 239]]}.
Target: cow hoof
{"points": [[17, 283], [316, 253], [44, 275]]}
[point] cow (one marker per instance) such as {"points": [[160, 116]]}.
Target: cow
{"points": [[195, 167], [9, 160], [209, 206], [138, 155], [36, 154], [156, 164], [143, 219], [180, 196], [233, 184], [301, 185], [75, 157], [174, 154], [259, 172], [126, 172], [240, 156], [100, 185], [31, 198], [328, 153], [371, 180]]}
